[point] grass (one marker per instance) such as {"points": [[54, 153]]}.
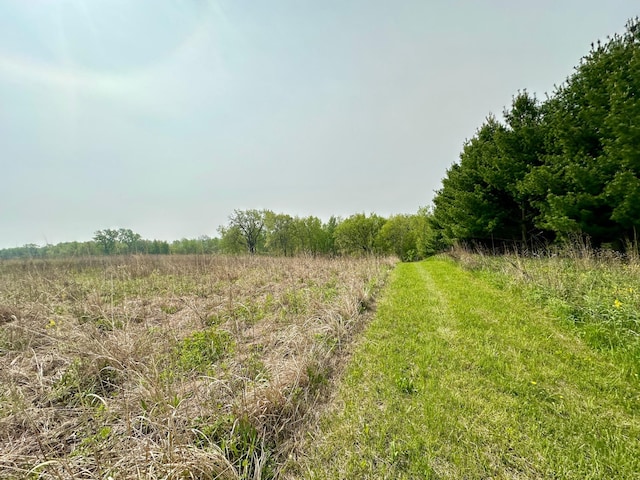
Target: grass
{"points": [[463, 375], [170, 367], [598, 292]]}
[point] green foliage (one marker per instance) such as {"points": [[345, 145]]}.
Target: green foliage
{"points": [[398, 235], [105, 242], [249, 224], [107, 239], [483, 197], [410, 237], [203, 245], [280, 233], [287, 235], [358, 234], [549, 171], [241, 443], [201, 350], [231, 240]]}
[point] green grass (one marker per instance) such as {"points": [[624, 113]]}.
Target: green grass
{"points": [[457, 378], [598, 292]]}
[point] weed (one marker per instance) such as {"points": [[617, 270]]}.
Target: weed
{"points": [[86, 379], [293, 301], [406, 381], [201, 350], [255, 369], [169, 309], [317, 377]]}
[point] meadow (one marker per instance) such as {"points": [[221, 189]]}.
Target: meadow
{"points": [[171, 366], [462, 366]]}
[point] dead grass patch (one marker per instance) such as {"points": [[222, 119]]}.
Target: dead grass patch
{"points": [[170, 367]]}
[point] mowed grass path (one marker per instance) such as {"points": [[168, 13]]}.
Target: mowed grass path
{"points": [[456, 378]]}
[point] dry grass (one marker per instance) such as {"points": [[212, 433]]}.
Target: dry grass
{"points": [[170, 367]]}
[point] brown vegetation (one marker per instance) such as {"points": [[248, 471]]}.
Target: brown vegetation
{"points": [[170, 367]]}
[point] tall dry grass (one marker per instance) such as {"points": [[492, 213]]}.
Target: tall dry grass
{"points": [[170, 367]]}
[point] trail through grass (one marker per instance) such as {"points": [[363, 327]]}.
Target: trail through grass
{"points": [[456, 378]]}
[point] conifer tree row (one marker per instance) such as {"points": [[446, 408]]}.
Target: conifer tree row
{"points": [[550, 170]]}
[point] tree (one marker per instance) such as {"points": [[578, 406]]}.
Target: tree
{"points": [[398, 236], [427, 240], [328, 238], [280, 235], [129, 238], [468, 206], [231, 240], [310, 235], [250, 224], [521, 146], [107, 239], [484, 197], [358, 234], [209, 245], [157, 247], [588, 182]]}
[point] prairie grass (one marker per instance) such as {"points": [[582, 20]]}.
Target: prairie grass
{"points": [[457, 377], [170, 367]]}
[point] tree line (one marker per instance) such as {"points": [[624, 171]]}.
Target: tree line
{"points": [[264, 232], [552, 170]]}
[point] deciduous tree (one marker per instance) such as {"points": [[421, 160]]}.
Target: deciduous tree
{"points": [[250, 224]]}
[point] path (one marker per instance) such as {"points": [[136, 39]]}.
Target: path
{"points": [[456, 378]]}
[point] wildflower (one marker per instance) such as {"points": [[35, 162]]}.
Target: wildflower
{"points": [[617, 303], [533, 383], [51, 324]]}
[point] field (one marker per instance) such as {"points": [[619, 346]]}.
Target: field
{"points": [[170, 367], [252, 367]]}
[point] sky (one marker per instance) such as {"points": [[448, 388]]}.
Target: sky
{"points": [[163, 116]]}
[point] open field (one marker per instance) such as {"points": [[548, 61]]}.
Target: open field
{"points": [[517, 369], [170, 367], [221, 367]]}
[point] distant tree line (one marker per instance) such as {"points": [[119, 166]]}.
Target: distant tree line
{"points": [[114, 242], [554, 170], [264, 232], [103, 243]]}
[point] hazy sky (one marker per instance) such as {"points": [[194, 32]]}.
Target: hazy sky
{"points": [[164, 116]]}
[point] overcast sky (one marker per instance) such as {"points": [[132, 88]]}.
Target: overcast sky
{"points": [[164, 116]]}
